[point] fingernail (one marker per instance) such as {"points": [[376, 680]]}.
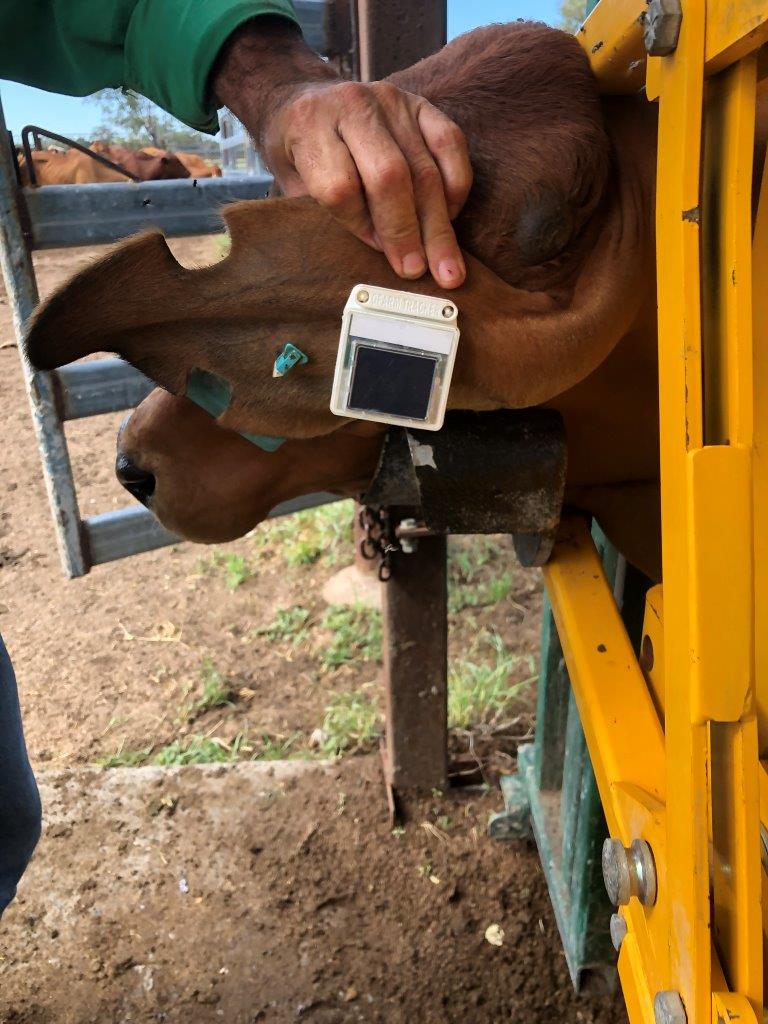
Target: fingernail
{"points": [[449, 273], [414, 264]]}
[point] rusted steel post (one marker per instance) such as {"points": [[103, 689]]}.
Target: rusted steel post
{"points": [[416, 667], [393, 34]]}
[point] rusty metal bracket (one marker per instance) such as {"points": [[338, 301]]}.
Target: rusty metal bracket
{"points": [[496, 472]]}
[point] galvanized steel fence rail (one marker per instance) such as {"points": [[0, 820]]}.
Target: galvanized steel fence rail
{"points": [[60, 216]]}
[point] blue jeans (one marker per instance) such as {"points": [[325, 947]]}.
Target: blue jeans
{"points": [[20, 811]]}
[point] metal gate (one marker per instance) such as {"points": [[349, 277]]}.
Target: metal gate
{"points": [[60, 216]]}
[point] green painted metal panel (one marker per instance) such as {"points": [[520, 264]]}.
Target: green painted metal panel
{"points": [[556, 792]]}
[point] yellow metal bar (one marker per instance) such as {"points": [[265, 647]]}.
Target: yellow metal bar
{"points": [[618, 713], [624, 737], [679, 79], [726, 254], [705, 660], [760, 459], [735, 28], [720, 498], [760, 504], [612, 37]]}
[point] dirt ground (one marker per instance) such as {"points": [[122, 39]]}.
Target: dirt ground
{"points": [[300, 900]]}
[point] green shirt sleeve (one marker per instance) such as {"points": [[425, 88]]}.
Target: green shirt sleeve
{"points": [[163, 49]]}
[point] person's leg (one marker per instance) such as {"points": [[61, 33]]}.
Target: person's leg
{"points": [[20, 811]]}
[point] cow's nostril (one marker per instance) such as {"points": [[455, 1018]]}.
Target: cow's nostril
{"points": [[140, 482]]}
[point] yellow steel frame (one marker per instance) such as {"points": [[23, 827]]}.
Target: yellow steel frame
{"points": [[677, 748]]}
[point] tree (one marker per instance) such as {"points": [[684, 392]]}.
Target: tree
{"points": [[572, 13], [133, 120]]}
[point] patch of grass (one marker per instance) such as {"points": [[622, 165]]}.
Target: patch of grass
{"points": [[480, 692], [356, 635], [236, 568], [217, 692], [468, 555], [288, 624], [122, 758], [316, 535], [200, 750], [351, 722], [278, 748], [479, 595]]}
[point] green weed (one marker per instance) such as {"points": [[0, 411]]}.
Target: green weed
{"points": [[237, 571], [356, 635], [479, 595], [124, 758], [468, 555], [275, 748], [314, 535], [217, 693], [200, 750], [288, 624], [480, 692], [351, 722], [236, 568]]}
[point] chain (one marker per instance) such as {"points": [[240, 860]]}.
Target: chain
{"points": [[379, 540]]}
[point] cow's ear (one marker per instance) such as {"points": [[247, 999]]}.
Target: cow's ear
{"points": [[116, 305]]}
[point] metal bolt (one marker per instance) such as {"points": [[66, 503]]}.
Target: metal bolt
{"points": [[668, 1008], [363, 296], [448, 312], [629, 871], [618, 930], [661, 27], [407, 544]]}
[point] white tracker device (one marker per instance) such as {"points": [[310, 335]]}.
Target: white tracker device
{"points": [[396, 356]]}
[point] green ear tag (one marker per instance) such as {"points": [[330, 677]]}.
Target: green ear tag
{"points": [[213, 395], [288, 358]]}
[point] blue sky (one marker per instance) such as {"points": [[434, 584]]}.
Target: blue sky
{"points": [[70, 116]]}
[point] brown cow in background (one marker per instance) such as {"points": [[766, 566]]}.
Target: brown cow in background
{"points": [[197, 166], [71, 167]]}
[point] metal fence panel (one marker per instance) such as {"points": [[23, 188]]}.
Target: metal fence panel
{"points": [[132, 530], [66, 215]]}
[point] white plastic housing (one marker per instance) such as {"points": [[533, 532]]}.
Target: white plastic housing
{"points": [[396, 356]]}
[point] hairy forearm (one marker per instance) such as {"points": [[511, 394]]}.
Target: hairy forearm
{"points": [[260, 64]]}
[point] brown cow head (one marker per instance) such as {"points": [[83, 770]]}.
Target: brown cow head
{"points": [[210, 484], [556, 242]]}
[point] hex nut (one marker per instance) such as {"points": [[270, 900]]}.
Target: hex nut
{"points": [[661, 27], [618, 928], [668, 1008]]}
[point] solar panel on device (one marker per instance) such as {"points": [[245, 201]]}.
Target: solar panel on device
{"points": [[390, 382]]}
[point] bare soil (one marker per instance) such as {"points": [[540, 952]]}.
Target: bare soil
{"points": [[301, 902]]}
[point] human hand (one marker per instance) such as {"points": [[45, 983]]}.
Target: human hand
{"points": [[387, 164]]}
